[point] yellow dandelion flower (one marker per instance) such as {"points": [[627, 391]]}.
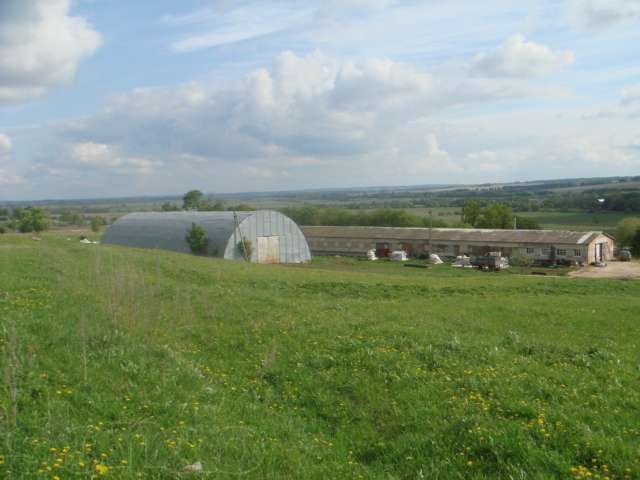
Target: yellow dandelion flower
{"points": [[101, 469]]}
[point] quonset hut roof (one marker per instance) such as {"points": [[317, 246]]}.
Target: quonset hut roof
{"points": [[274, 237], [455, 234]]}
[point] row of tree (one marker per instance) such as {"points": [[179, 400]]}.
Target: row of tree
{"points": [[37, 219], [195, 200], [494, 216]]}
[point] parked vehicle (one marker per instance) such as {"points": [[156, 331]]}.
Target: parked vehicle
{"points": [[490, 262], [625, 255]]}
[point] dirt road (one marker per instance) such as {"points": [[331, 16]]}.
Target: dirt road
{"points": [[612, 270]]}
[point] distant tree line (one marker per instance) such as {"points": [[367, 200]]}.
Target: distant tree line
{"points": [[495, 216], [37, 219], [195, 200], [383, 217]]}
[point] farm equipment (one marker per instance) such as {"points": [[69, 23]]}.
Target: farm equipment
{"points": [[493, 261]]}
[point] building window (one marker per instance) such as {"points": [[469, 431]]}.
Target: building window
{"points": [[562, 252], [531, 251], [577, 253]]}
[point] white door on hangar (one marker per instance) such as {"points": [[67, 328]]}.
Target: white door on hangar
{"points": [[268, 249]]}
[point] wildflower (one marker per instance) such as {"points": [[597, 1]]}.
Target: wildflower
{"points": [[101, 469]]}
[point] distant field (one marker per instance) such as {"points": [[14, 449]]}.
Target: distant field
{"points": [[630, 185], [125, 364], [578, 220]]}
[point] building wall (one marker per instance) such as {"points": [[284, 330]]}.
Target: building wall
{"points": [[351, 246], [608, 248]]}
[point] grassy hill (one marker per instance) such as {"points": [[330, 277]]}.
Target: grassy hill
{"points": [[122, 363]]}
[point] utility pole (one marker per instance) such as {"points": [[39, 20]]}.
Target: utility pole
{"points": [[430, 228]]}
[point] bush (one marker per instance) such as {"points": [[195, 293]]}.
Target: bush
{"points": [[245, 248], [197, 239], [521, 259], [32, 219], [97, 223]]}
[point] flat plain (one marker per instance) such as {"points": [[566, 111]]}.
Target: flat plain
{"points": [[125, 363]]}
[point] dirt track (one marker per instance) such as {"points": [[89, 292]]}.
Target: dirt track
{"points": [[612, 270]]}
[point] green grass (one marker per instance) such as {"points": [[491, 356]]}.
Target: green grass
{"points": [[139, 363]]}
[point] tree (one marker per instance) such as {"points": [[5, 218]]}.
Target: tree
{"points": [[191, 200], [71, 217], [496, 215], [526, 223], [626, 231], [97, 223], [33, 219], [635, 243], [470, 212], [197, 239]]}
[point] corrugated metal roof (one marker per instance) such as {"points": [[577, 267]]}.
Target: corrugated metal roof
{"points": [[454, 234]]}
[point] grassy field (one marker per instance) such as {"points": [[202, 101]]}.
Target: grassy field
{"points": [[578, 220], [122, 363]]}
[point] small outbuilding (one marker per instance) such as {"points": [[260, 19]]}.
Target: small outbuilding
{"points": [[268, 236]]}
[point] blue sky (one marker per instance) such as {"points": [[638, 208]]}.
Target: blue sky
{"points": [[115, 98]]}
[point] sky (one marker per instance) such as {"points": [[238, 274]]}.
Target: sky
{"points": [[109, 98]]}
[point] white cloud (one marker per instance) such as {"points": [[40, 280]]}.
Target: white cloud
{"points": [[305, 121], [101, 155], [220, 25], [518, 57], [41, 46], [5, 144]]}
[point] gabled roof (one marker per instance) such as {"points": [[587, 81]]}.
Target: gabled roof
{"points": [[454, 234]]}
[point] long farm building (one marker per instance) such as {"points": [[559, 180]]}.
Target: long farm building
{"points": [[540, 245]]}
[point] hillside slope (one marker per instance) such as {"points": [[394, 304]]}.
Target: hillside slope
{"points": [[128, 364]]}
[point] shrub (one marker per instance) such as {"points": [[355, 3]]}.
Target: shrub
{"points": [[197, 239], [245, 248], [97, 223], [32, 219], [521, 259]]}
